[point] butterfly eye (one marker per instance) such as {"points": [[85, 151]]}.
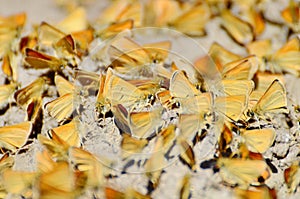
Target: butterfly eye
{"points": [[155, 61], [177, 105], [250, 113]]}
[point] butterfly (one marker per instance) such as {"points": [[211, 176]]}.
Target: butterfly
{"points": [[158, 13], [156, 163], [221, 55], [15, 136], [286, 59], [62, 107], [131, 145], [120, 11], [195, 115], [10, 66], [180, 89], [243, 172], [7, 94], [76, 21], [95, 168], [10, 30], [258, 140], [60, 182], [239, 30], [140, 125], [291, 16], [19, 182], [34, 90], [262, 191], [292, 176], [70, 132], [129, 193], [51, 38], [193, 20], [187, 154], [185, 191], [232, 106], [122, 92], [102, 103], [57, 147], [114, 29], [35, 114], [39, 60], [255, 19], [272, 101], [131, 58]]}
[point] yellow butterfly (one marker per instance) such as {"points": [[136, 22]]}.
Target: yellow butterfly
{"points": [[187, 154], [241, 69], [10, 30], [45, 163], [156, 163], [129, 193], [65, 49], [286, 59], [140, 125], [15, 136], [159, 12], [57, 147], [238, 29], [221, 55], [131, 146], [256, 20], [6, 162], [243, 172], [260, 192], [292, 176], [180, 89], [70, 132], [272, 101], [48, 36], [114, 29], [185, 190], [291, 16], [264, 79], [34, 112], [19, 182], [102, 102], [62, 107], [38, 60], [34, 90], [224, 141], [258, 140], [61, 182], [10, 66], [194, 119], [120, 11], [144, 124], [122, 92], [236, 87], [7, 94], [94, 167], [232, 106], [192, 21], [76, 21], [128, 57]]}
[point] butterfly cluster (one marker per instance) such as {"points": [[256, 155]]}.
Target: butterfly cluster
{"points": [[164, 109]]}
